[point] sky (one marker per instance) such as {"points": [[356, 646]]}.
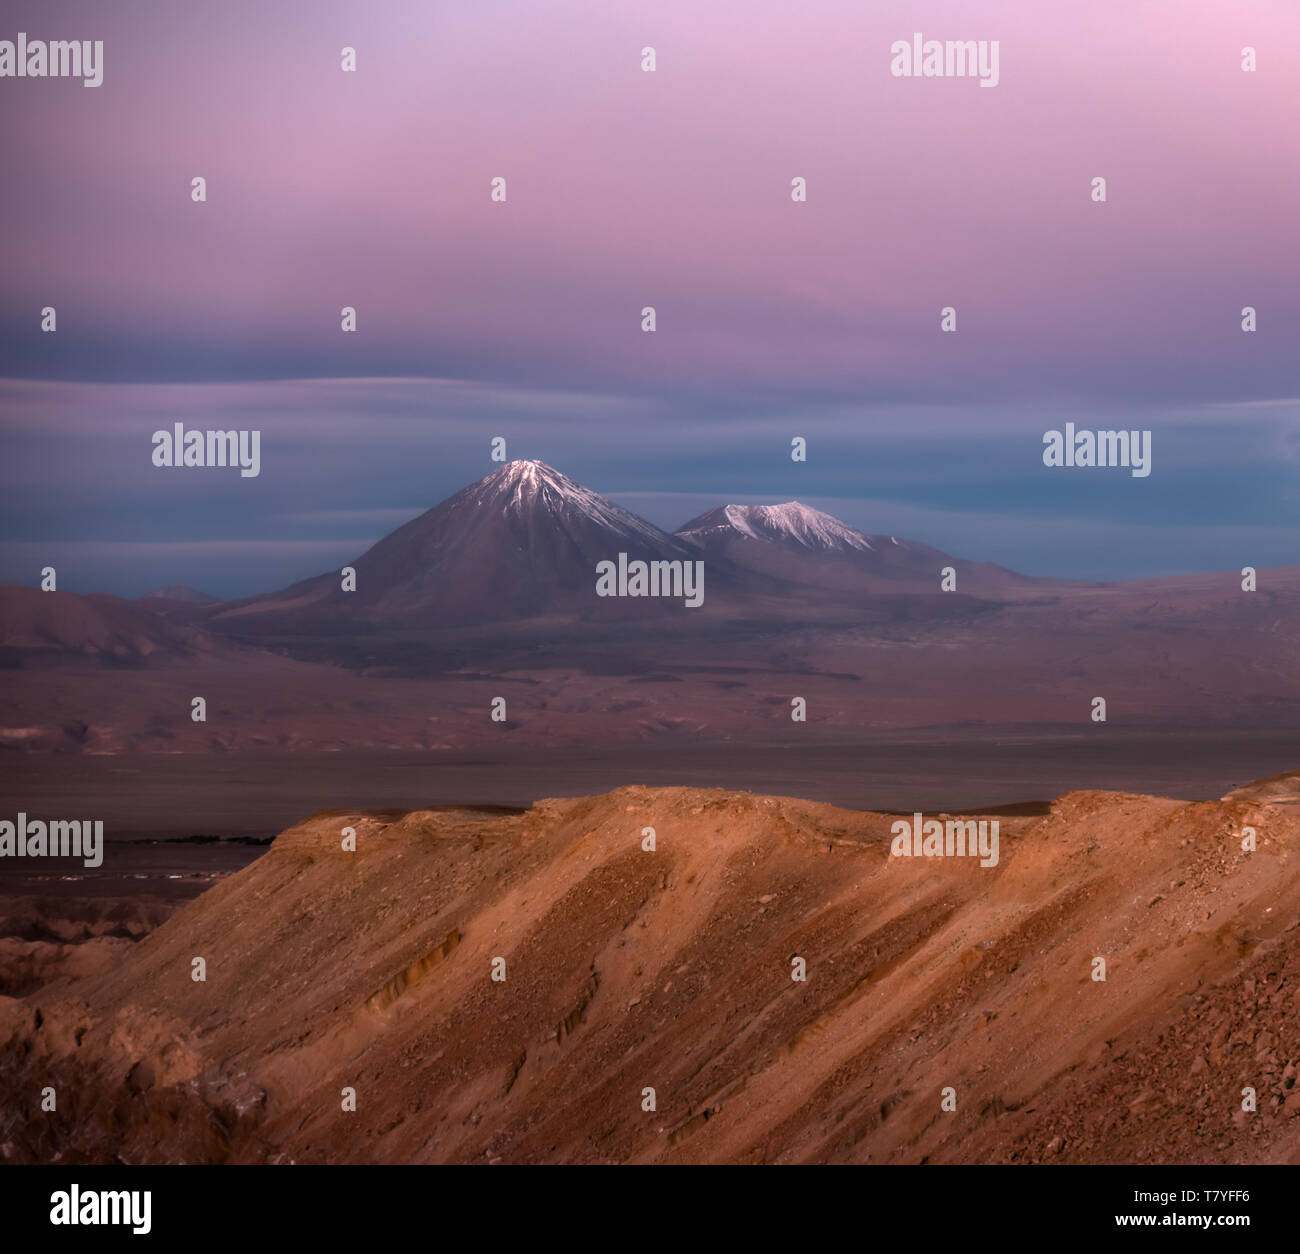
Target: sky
{"points": [[670, 189]]}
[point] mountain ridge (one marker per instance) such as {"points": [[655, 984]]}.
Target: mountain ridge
{"points": [[627, 970], [791, 523], [525, 541]]}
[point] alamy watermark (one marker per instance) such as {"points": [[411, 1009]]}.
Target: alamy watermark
{"points": [[651, 579], [102, 1206], [59, 838], [919, 837], [952, 58], [1131, 449], [179, 447], [56, 58]]}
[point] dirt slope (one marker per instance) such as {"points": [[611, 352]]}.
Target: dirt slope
{"points": [[671, 970], [36, 626]]}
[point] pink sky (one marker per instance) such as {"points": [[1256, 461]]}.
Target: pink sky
{"points": [[669, 189], [672, 189]]}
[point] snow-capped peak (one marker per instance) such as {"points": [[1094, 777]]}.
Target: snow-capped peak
{"points": [[521, 482], [529, 473], [792, 523], [531, 486]]}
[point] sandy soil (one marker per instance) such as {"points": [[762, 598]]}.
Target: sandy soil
{"points": [[628, 970]]}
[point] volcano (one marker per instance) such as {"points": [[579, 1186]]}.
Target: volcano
{"points": [[792, 525], [799, 544], [524, 542]]}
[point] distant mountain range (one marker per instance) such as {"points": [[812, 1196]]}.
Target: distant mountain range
{"points": [[798, 544], [525, 541], [521, 543], [106, 628], [494, 592]]}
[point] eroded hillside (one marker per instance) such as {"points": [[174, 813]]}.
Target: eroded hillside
{"points": [[627, 970]]}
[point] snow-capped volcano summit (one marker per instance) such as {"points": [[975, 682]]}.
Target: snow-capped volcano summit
{"points": [[796, 542], [526, 542], [533, 489], [522, 542], [792, 523]]}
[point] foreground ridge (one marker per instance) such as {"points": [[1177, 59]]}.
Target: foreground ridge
{"points": [[629, 968]]}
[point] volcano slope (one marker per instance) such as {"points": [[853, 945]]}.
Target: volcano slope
{"points": [[670, 969]]}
